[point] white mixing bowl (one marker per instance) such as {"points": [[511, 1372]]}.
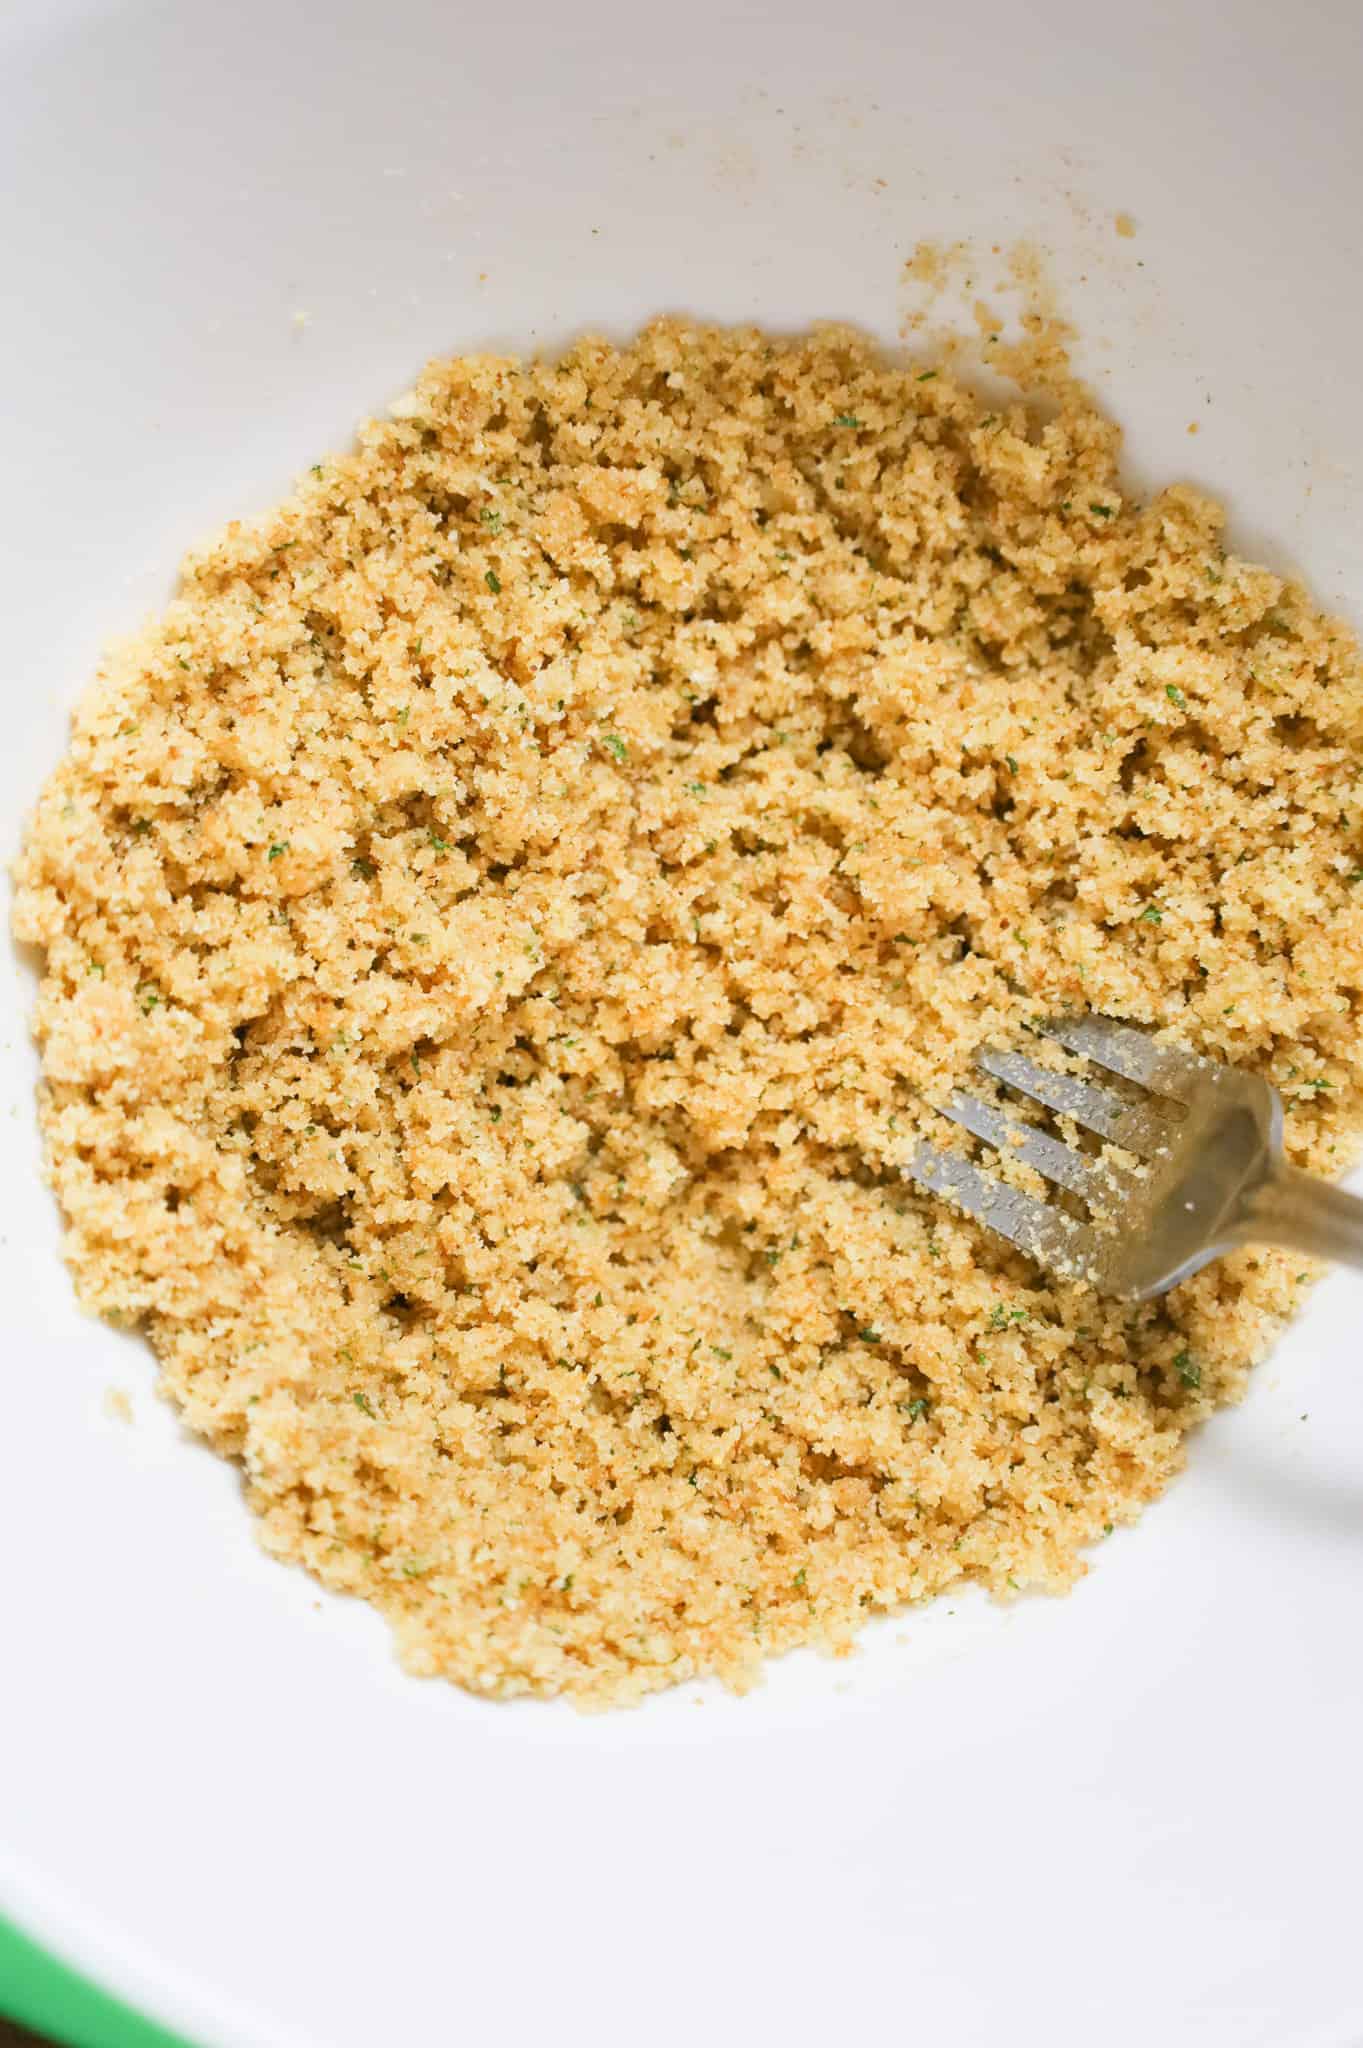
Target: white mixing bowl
{"points": [[228, 232]]}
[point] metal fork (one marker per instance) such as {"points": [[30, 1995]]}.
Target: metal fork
{"points": [[1209, 1173]]}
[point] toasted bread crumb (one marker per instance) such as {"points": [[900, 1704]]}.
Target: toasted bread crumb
{"points": [[503, 925]]}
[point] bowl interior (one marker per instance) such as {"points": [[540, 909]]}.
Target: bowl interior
{"points": [[230, 234]]}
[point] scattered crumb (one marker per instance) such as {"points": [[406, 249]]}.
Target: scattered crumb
{"points": [[929, 269], [1193, 427], [1124, 224], [505, 922], [117, 1406], [930, 262]]}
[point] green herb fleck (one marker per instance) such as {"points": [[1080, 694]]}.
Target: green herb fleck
{"points": [[926, 375], [1101, 511], [847, 419], [362, 1403], [616, 745], [493, 582], [491, 518], [916, 1408], [1175, 695], [1190, 1374], [280, 846]]}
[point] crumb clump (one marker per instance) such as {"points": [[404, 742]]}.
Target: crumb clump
{"points": [[503, 925]]}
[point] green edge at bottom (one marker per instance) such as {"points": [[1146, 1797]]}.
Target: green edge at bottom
{"points": [[37, 1991]]}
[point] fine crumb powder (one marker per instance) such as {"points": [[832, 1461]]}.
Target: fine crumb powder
{"points": [[504, 923]]}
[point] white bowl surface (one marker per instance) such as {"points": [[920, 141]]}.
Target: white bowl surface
{"points": [[1130, 1816]]}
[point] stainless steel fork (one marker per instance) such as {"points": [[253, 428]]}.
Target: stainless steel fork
{"points": [[1209, 1171]]}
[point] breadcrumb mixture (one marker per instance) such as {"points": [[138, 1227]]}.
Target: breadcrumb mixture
{"points": [[505, 924]]}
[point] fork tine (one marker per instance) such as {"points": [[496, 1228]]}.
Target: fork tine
{"points": [[1016, 1140], [1124, 1049], [1044, 1233], [1138, 1130]]}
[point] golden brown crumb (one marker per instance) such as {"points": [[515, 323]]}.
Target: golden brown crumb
{"points": [[1124, 224], [117, 1406], [503, 925]]}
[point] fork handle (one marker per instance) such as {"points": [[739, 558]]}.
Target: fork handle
{"points": [[1303, 1214]]}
